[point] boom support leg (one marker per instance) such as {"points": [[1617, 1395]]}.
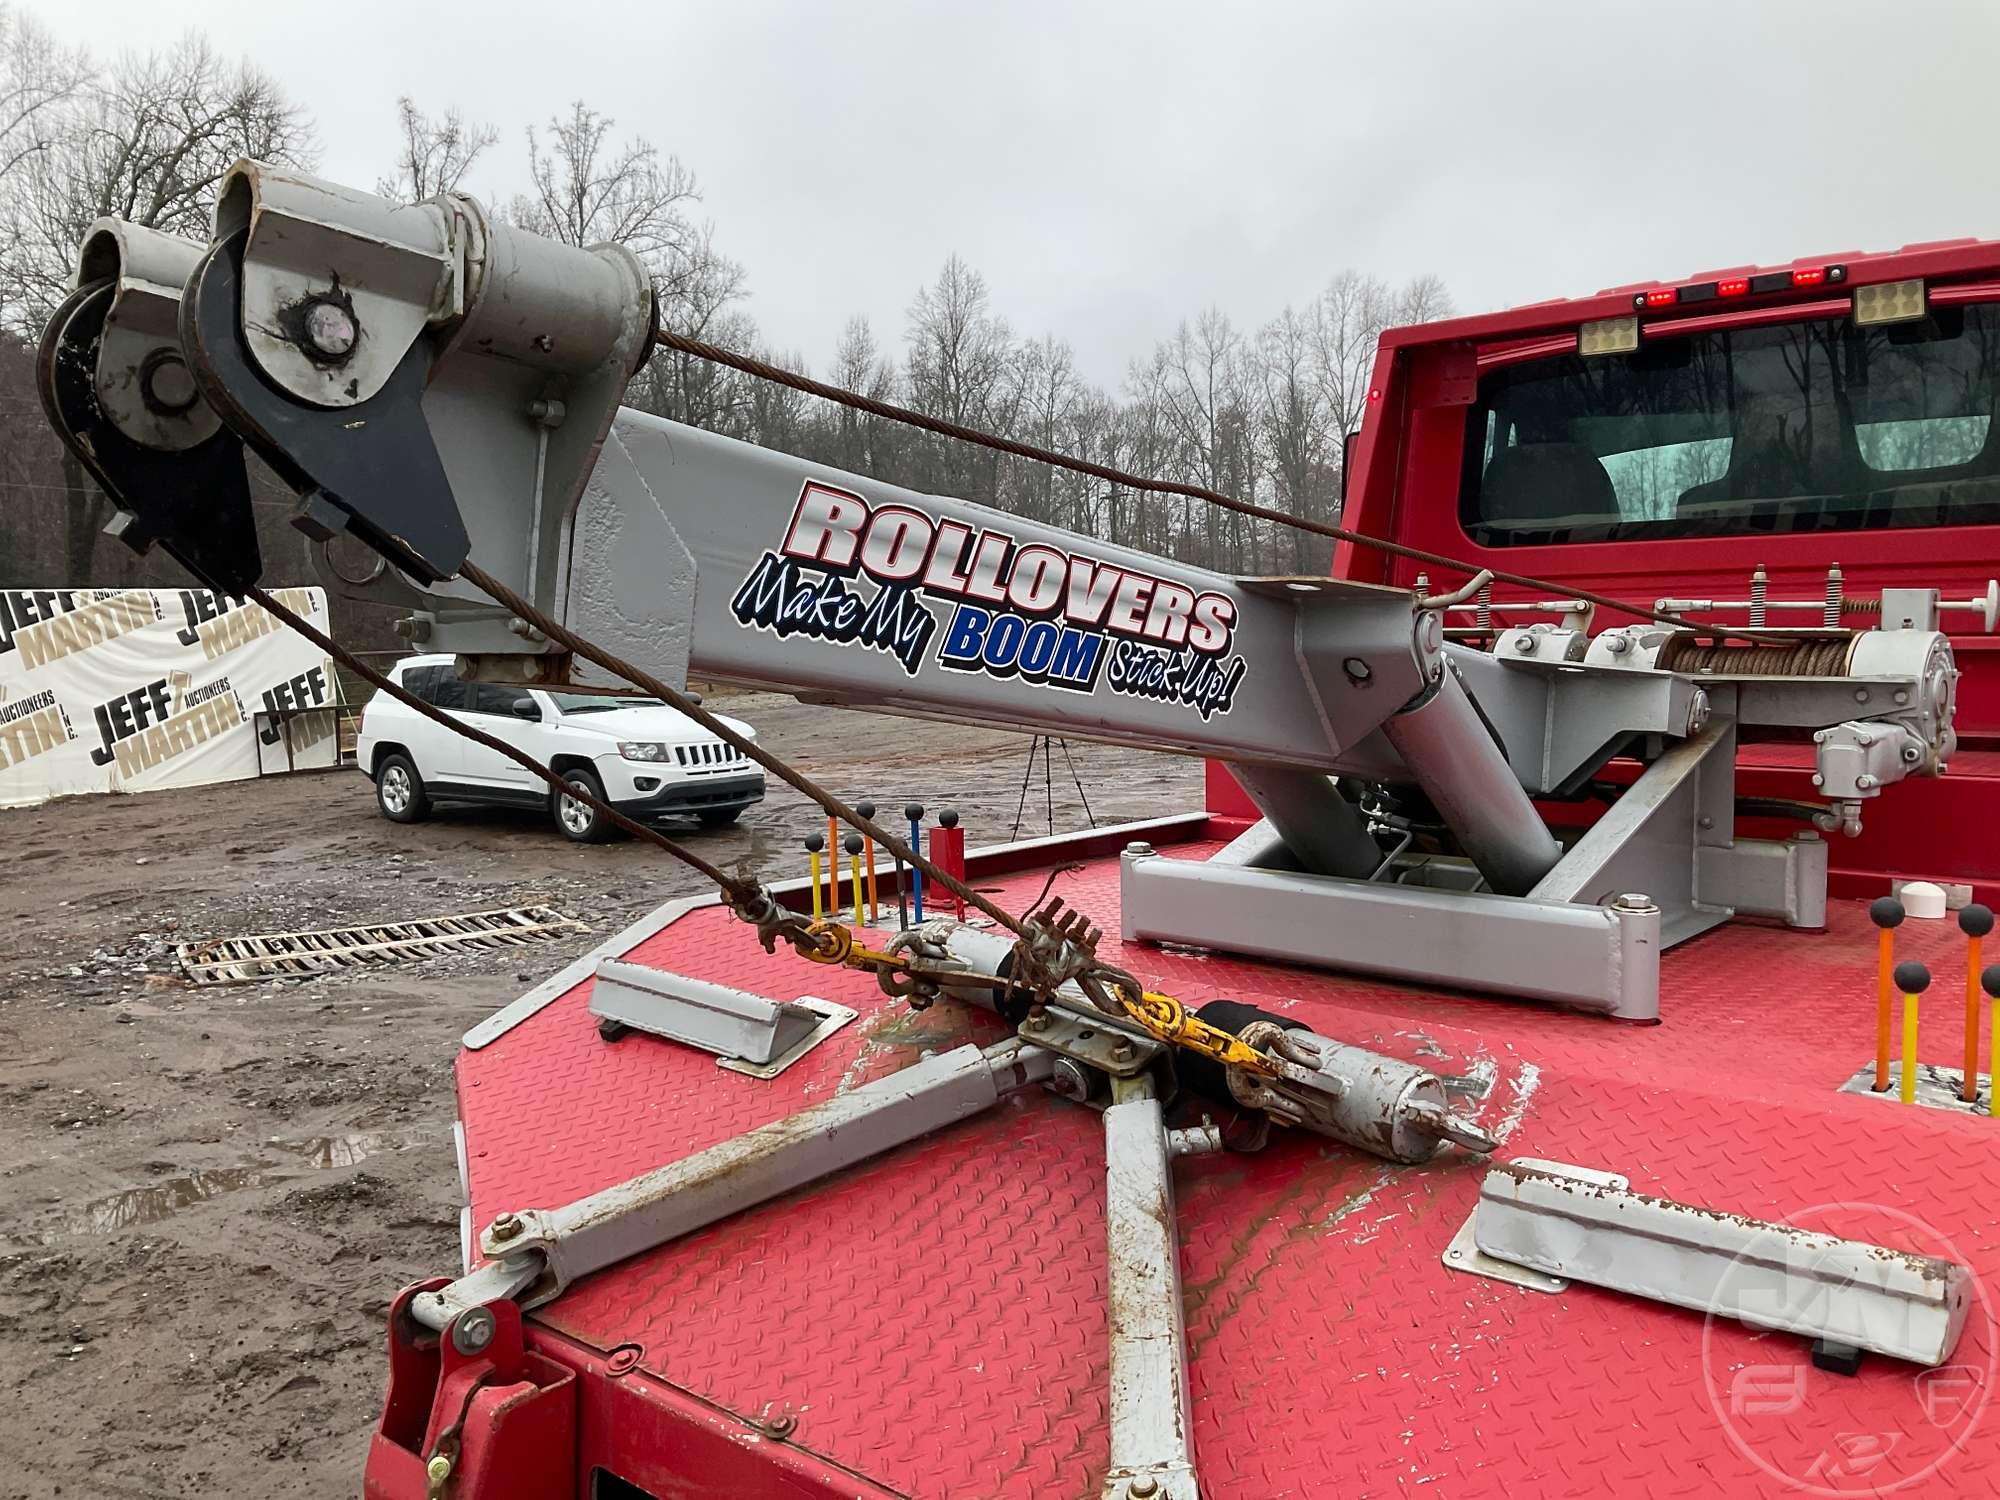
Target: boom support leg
{"points": [[1152, 1439]]}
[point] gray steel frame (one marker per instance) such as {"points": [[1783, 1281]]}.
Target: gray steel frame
{"points": [[1596, 957], [1151, 1419]]}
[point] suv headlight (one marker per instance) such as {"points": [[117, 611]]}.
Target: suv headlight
{"points": [[643, 750]]}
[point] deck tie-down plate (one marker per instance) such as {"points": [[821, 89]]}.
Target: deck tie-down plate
{"points": [[1464, 1254], [748, 1033]]}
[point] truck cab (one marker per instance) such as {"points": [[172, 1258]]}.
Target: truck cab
{"points": [[1769, 443]]}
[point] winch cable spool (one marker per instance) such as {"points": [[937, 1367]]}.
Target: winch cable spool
{"points": [[1826, 656]]}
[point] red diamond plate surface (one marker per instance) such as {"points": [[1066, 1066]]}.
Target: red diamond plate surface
{"points": [[935, 1319]]}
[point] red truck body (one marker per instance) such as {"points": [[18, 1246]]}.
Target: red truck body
{"points": [[932, 1323]]}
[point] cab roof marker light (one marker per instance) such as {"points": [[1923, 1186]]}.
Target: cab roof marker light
{"points": [[1608, 336], [1739, 286], [1889, 302]]}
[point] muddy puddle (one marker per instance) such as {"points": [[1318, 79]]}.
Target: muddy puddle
{"points": [[291, 1159]]}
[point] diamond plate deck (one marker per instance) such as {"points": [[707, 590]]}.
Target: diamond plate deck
{"points": [[934, 1320]]}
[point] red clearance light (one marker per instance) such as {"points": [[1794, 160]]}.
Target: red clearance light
{"points": [[1660, 297], [1809, 276], [1734, 286]]}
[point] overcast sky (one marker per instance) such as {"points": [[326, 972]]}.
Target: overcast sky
{"points": [[1112, 168]]}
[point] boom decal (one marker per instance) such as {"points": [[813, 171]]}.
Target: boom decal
{"points": [[1048, 616]]}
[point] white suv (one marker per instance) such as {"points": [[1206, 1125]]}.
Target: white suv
{"points": [[644, 758]]}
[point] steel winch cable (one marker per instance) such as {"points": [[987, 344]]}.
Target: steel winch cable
{"points": [[1052, 945], [777, 374], [563, 636], [733, 886], [1111, 988]]}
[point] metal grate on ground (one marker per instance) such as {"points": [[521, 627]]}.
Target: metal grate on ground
{"points": [[278, 955]]}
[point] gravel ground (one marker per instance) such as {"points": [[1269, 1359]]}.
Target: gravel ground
{"points": [[208, 1196]]}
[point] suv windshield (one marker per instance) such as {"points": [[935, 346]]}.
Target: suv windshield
{"points": [[598, 703], [1811, 426]]}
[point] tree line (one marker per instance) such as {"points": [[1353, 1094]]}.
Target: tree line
{"points": [[1255, 412]]}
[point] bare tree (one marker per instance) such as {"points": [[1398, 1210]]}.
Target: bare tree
{"points": [[436, 153], [150, 143], [1296, 425], [1050, 393], [1198, 376], [861, 443], [960, 356], [700, 300], [1348, 320], [589, 188], [37, 75], [1422, 299]]}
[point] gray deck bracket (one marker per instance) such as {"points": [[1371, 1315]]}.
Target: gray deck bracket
{"points": [[749, 1033], [1584, 1225]]}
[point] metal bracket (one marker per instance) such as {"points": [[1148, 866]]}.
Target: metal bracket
{"points": [[1110, 1047], [1464, 1254], [1570, 1221], [833, 1017], [749, 1033]]}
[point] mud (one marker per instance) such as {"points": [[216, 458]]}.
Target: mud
{"points": [[208, 1196]]}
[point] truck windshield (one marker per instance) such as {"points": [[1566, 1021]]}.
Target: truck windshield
{"points": [[1810, 426]]}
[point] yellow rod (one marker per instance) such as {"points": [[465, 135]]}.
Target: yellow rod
{"points": [[854, 884], [1993, 1078], [1909, 1049], [1885, 960], [1968, 1089], [868, 857], [819, 911]]}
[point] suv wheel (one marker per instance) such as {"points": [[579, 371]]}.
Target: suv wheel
{"points": [[579, 820], [399, 791]]}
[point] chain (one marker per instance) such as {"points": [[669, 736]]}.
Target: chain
{"points": [[1165, 1019]]}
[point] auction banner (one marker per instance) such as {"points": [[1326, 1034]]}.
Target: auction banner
{"points": [[131, 690]]}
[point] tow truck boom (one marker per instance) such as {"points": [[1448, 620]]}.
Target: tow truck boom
{"points": [[439, 385]]}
